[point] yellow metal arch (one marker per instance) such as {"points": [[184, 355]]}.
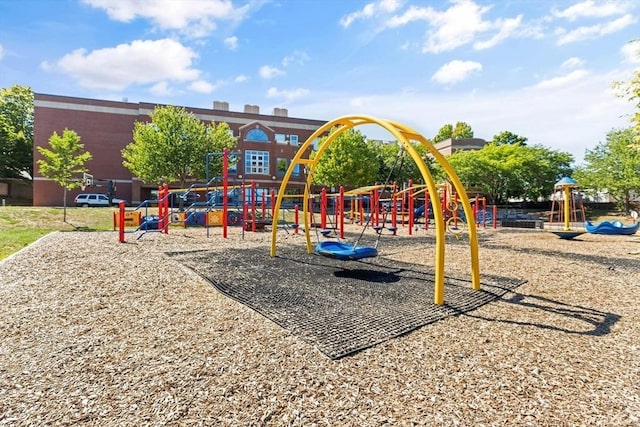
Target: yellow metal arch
{"points": [[403, 134]]}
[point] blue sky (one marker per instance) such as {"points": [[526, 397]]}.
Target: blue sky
{"points": [[539, 68]]}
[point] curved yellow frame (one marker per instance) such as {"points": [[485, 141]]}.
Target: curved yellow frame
{"points": [[403, 134]]}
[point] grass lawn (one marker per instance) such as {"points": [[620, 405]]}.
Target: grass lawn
{"points": [[21, 225]]}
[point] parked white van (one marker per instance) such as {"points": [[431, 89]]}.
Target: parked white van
{"points": [[95, 199]]}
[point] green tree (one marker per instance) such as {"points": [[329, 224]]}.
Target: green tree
{"points": [[174, 145], [394, 164], [445, 132], [612, 166], [508, 138], [541, 168], [502, 172], [16, 132], [460, 130], [64, 162], [349, 161]]}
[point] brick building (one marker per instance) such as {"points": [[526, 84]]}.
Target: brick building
{"points": [[450, 146], [267, 142]]}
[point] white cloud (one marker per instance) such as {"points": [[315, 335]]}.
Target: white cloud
{"points": [[161, 89], [456, 71], [196, 18], [456, 27], [631, 52], [562, 81], [506, 28], [288, 95], [572, 62], [202, 86], [1, 52], [298, 57], [231, 42], [370, 10], [460, 24], [595, 31], [241, 78], [413, 13], [591, 9], [140, 62], [268, 72]]}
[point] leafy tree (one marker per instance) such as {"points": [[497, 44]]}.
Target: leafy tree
{"points": [[541, 169], [64, 162], [16, 132], [174, 145], [508, 138], [349, 161], [400, 169], [502, 172], [445, 132], [460, 130], [612, 166]]}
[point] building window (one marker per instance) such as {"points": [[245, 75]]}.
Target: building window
{"points": [[293, 139], [257, 135], [281, 166], [296, 171], [256, 162], [281, 138]]}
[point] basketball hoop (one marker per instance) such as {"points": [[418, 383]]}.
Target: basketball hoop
{"points": [[87, 181]]}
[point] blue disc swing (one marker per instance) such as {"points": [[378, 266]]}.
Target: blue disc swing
{"points": [[344, 251]]}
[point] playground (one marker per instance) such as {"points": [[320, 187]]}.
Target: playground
{"points": [[218, 325], [156, 331]]}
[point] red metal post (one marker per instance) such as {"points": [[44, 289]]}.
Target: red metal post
{"points": [[394, 211], [296, 219], [166, 209], [225, 189], [253, 205], [339, 211], [495, 216], [323, 208], [245, 208], [121, 222], [411, 204]]}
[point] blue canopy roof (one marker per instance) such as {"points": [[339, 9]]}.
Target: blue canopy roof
{"points": [[567, 181]]}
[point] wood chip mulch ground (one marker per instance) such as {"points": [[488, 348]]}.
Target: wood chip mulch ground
{"points": [[94, 332]]}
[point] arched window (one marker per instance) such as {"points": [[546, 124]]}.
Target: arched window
{"points": [[257, 135]]}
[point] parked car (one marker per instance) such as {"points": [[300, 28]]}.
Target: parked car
{"points": [[94, 200]]}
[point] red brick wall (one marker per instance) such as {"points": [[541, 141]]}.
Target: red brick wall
{"points": [[106, 127]]}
